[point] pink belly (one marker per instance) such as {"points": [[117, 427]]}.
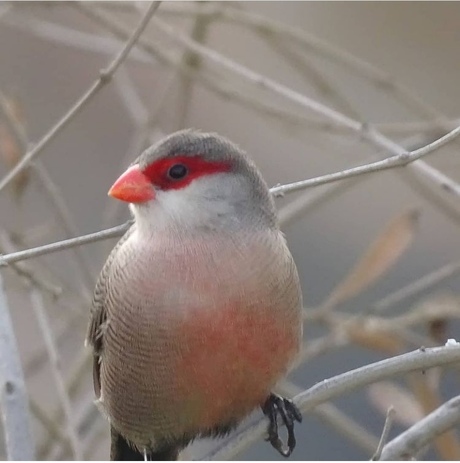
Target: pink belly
{"points": [[233, 358]]}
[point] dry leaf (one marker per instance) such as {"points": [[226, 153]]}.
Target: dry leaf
{"points": [[377, 340], [386, 394], [379, 257]]}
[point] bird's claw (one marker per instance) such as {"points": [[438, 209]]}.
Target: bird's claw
{"points": [[288, 412]]}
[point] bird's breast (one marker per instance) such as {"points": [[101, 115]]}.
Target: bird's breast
{"points": [[200, 333]]}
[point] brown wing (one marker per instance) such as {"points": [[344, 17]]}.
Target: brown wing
{"points": [[98, 316]]}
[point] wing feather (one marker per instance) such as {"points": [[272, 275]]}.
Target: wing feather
{"points": [[98, 314]]}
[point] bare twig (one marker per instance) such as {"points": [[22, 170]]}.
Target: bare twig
{"points": [[65, 35], [104, 77], [73, 384], [27, 272], [192, 61], [130, 97], [35, 362], [340, 385], [423, 432], [65, 244], [13, 396], [54, 429], [398, 160], [417, 286], [385, 433], [309, 72], [40, 313], [50, 189]]}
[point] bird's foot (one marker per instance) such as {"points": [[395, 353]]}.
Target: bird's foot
{"points": [[288, 412]]}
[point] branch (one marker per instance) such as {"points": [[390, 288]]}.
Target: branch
{"points": [[104, 78], [13, 396], [337, 386], [391, 162], [65, 244], [398, 160], [423, 432]]}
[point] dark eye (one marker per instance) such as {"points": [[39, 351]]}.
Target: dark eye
{"points": [[177, 171]]}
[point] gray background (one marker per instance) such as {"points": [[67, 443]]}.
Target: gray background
{"points": [[415, 43]]}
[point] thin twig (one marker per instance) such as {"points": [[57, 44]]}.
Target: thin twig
{"points": [[144, 133], [340, 385], [65, 244], [397, 160], [65, 35], [14, 407], [130, 97], [50, 189], [191, 60], [104, 78], [311, 200], [416, 287], [423, 432], [52, 350], [54, 429], [24, 271], [309, 72], [74, 382], [37, 360], [385, 433]]}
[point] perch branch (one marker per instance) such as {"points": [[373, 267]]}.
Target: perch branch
{"points": [[340, 385]]}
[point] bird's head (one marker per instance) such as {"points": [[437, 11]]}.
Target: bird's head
{"points": [[193, 180]]}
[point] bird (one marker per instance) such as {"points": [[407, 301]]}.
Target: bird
{"points": [[196, 314]]}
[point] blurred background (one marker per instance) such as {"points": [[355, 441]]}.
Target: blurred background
{"points": [[376, 254]]}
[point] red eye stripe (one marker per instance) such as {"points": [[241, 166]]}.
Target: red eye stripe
{"points": [[197, 167]]}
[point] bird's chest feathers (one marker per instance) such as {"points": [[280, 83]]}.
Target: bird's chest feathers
{"points": [[214, 320]]}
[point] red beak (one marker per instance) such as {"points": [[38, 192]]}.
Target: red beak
{"points": [[133, 187]]}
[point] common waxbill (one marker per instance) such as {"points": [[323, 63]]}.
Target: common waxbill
{"points": [[197, 312]]}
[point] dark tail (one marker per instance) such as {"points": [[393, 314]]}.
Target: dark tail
{"points": [[121, 450]]}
